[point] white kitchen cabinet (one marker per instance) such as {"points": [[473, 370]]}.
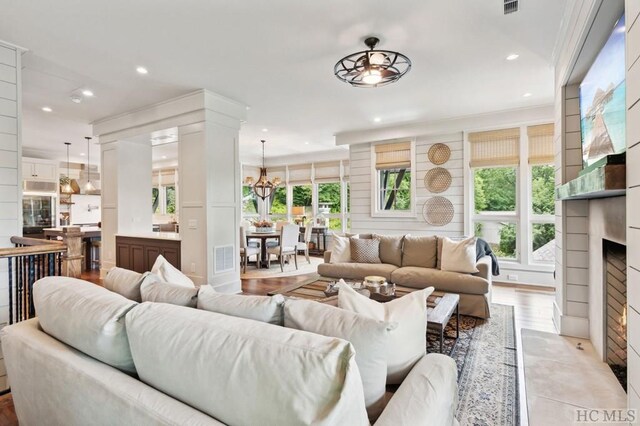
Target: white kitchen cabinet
{"points": [[42, 170]]}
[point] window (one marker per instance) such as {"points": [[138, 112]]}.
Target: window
{"points": [[394, 179], [249, 203], [509, 219], [164, 193], [278, 203], [330, 204]]}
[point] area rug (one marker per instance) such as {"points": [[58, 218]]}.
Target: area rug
{"points": [[486, 358], [304, 267]]}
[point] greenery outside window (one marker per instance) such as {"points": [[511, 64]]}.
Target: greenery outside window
{"points": [[278, 204], [543, 232], [249, 203], [330, 204], [163, 199]]}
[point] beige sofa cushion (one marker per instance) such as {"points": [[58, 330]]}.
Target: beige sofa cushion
{"points": [[124, 282], [355, 271], [454, 282], [258, 308], [390, 248], [245, 372], [365, 251], [154, 290], [369, 337], [87, 317], [419, 251]]}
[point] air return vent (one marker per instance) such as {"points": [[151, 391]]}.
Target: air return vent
{"points": [[510, 6], [223, 259]]}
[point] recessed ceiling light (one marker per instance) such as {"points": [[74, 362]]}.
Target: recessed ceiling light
{"points": [[513, 57], [46, 109], [142, 70], [306, 143], [265, 130], [377, 119], [82, 153], [76, 99], [88, 93], [164, 157], [526, 95]]}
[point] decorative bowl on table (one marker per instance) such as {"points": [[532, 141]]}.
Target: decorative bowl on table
{"points": [[264, 226]]}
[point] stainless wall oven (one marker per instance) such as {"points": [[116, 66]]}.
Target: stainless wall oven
{"points": [[38, 213]]}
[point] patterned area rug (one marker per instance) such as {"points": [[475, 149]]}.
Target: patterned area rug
{"points": [[487, 367]]}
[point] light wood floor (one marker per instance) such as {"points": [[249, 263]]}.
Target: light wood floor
{"points": [[533, 307]]}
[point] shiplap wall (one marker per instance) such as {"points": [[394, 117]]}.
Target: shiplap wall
{"points": [[572, 223], [633, 200], [10, 153], [361, 160]]}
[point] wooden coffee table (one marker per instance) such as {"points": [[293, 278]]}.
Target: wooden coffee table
{"points": [[440, 305]]}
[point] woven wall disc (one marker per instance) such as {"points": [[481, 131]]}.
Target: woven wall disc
{"points": [[437, 180], [439, 153], [437, 211]]}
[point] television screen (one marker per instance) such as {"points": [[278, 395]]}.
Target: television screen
{"points": [[602, 101]]}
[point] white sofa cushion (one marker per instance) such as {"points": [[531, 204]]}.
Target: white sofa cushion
{"points": [[154, 290], [459, 256], [259, 308], [125, 282], [264, 374], [369, 338], [341, 251], [408, 342], [87, 317], [169, 273]]}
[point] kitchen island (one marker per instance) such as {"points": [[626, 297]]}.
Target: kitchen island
{"points": [[139, 251]]}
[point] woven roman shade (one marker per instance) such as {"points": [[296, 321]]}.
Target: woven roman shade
{"points": [[164, 177], [540, 144], [300, 174], [327, 172], [393, 156], [495, 148]]}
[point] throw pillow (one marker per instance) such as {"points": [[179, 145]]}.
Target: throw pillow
{"points": [[419, 251], [390, 248], [124, 282], [341, 251], [169, 273], [368, 336], [154, 290], [259, 308], [86, 317], [459, 256], [408, 342], [365, 251]]}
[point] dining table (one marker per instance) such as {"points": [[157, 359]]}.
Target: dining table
{"points": [[263, 237]]}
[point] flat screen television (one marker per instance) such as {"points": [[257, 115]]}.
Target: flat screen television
{"points": [[602, 101]]}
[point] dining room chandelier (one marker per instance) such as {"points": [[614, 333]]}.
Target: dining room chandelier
{"points": [[373, 67], [263, 187]]}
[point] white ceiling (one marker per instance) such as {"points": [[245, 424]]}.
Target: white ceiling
{"points": [[277, 57]]}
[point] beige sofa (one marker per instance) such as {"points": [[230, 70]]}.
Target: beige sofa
{"points": [[413, 261], [186, 366]]}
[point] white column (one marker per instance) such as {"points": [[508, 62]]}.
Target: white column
{"points": [[126, 194]]}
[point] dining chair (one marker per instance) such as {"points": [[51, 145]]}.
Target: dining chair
{"points": [[305, 243], [246, 251], [273, 242], [287, 246]]}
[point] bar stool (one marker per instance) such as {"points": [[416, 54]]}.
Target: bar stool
{"points": [[95, 253]]}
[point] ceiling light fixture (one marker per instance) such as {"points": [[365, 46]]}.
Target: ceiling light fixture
{"points": [[512, 57], [265, 130], [88, 187], [66, 187], [377, 119], [372, 68], [264, 187], [88, 93], [76, 99], [142, 70], [164, 157], [526, 95], [46, 109]]}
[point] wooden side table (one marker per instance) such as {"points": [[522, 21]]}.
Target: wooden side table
{"points": [[438, 317]]}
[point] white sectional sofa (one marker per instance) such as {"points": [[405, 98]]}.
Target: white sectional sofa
{"points": [[95, 357]]}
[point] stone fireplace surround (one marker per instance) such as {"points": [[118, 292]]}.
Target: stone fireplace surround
{"points": [[607, 221]]}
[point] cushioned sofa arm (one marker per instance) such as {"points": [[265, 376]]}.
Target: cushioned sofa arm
{"points": [[484, 268], [429, 393], [327, 256]]}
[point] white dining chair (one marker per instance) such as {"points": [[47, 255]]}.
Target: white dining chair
{"points": [[246, 251], [287, 245], [306, 242]]}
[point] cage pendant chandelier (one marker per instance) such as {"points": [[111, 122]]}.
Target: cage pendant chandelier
{"points": [[373, 67], [263, 187]]}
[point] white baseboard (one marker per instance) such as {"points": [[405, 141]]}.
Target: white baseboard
{"points": [[570, 326]]}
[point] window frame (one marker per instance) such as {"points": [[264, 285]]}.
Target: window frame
{"points": [[375, 183]]}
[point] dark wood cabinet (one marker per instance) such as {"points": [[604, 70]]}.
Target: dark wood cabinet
{"points": [[139, 254]]}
